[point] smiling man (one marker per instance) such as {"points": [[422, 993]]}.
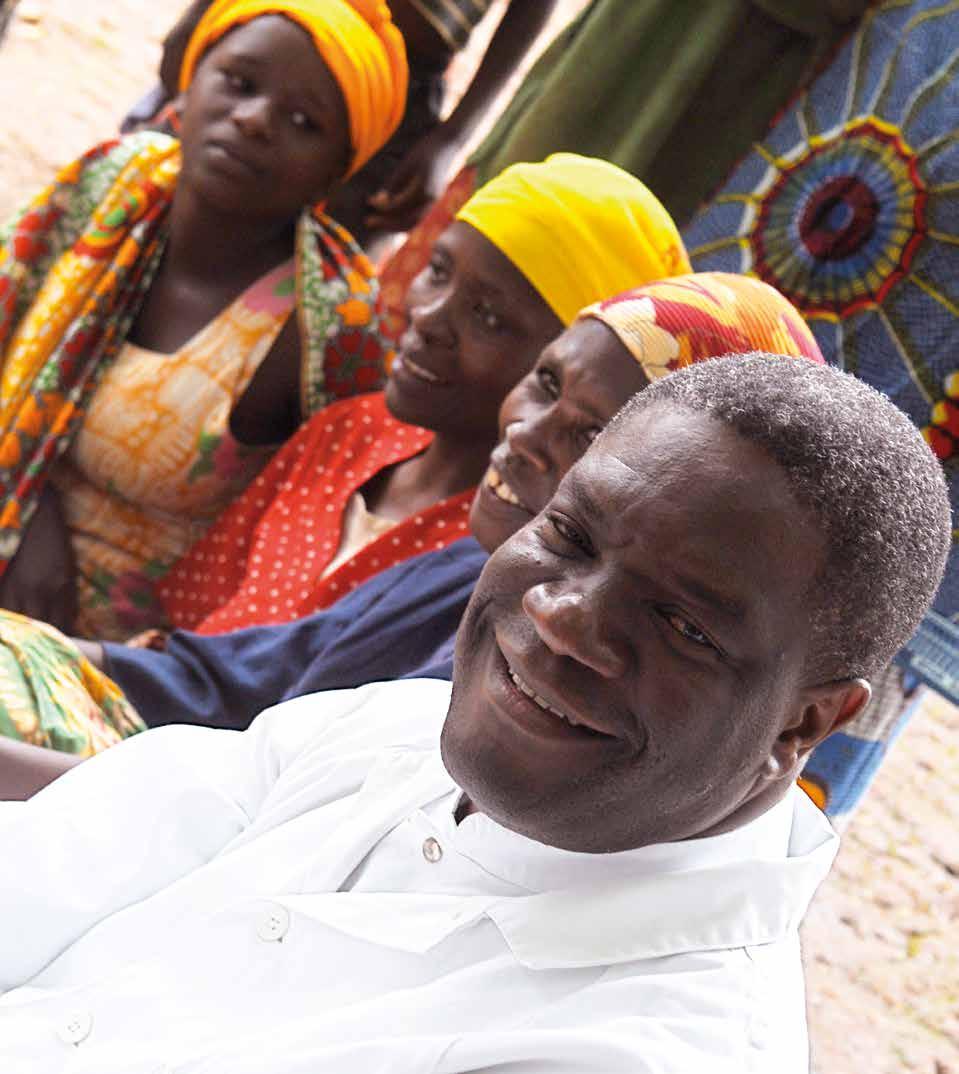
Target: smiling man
{"points": [[605, 865]]}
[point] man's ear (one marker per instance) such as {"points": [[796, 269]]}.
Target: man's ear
{"points": [[823, 709]]}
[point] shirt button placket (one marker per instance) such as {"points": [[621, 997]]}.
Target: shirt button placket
{"points": [[76, 1027], [274, 924], [432, 850]]}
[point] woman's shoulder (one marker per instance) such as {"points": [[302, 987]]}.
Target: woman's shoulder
{"points": [[352, 425], [104, 161], [337, 421]]}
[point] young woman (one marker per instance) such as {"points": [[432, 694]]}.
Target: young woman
{"points": [[402, 622], [149, 362], [434, 31]]}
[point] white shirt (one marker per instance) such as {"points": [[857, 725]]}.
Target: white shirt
{"points": [[298, 899]]}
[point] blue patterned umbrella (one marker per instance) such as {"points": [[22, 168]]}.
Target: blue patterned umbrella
{"points": [[850, 206]]}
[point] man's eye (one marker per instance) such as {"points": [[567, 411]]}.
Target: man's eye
{"points": [[686, 629], [548, 381], [570, 534]]}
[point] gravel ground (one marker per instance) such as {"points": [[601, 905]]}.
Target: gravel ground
{"points": [[880, 939]]}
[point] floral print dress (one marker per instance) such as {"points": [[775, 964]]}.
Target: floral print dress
{"points": [[154, 462]]}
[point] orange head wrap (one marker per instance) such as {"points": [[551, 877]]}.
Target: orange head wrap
{"points": [[356, 40]]}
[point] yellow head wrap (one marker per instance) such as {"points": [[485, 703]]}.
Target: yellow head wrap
{"points": [[674, 323], [579, 229], [356, 40]]}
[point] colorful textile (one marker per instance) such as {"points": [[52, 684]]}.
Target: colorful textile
{"points": [[578, 229], [453, 20], [849, 206], [74, 268], [356, 40], [673, 91], [154, 462], [400, 624], [263, 560], [52, 696], [673, 323]]}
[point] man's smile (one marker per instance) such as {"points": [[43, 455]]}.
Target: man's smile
{"points": [[517, 693]]}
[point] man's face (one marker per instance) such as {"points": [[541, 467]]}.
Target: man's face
{"points": [[658, 603]]}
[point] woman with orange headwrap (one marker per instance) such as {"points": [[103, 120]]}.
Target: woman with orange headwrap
{"points": [[149, 365]]}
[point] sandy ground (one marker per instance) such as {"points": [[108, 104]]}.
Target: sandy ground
{"points": [[881, 937]]}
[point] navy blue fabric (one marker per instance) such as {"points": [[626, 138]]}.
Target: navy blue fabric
{"points": [[400, 624]]}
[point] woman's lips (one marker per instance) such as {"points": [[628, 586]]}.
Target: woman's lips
{"points": [[223, 150], [404, 363], [501, 489]]}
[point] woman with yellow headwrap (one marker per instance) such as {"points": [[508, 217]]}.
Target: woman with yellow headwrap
{"points": [[334, 508], [149, 365]]}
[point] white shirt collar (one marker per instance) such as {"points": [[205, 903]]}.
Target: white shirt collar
{"points": [[746, 887]]}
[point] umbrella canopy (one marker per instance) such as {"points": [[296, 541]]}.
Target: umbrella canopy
{"points": [[850, 206]]}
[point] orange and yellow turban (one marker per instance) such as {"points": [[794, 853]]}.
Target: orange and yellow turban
{"points": [[356, 40], [578, 228], [673, 323]]}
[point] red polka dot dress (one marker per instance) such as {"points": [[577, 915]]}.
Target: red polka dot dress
{"points": [[263, 560]]}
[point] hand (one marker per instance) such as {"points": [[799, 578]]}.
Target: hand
{"points": [[41, 580], [415, 184]]}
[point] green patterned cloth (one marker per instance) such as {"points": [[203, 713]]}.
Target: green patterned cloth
{"points": [[52, 696], [674, 91]]}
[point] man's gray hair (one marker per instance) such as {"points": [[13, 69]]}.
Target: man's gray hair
{"points": [[863, 470]]}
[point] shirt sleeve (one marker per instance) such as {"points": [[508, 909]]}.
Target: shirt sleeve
{"points": [[132, 820]]}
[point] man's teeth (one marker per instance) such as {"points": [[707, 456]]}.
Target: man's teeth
{"points": [[419, 371], [500, 488], [541, 701]]}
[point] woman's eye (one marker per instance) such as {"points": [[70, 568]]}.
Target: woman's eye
{"points": [[548, 381], [302, 121], [588, 434], [687, 630], [238, 83], [488, 316], [438, 269]]}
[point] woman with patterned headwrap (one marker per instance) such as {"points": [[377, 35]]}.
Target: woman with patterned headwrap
{"points": [[149, 365], [402, 622]]}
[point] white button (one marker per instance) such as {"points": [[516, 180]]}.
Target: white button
{"points": [[75, 1027], [432, 850], [274, 924]]}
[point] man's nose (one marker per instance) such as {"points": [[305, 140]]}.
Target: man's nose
{"points": [[571, 622], [252, 116]]}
